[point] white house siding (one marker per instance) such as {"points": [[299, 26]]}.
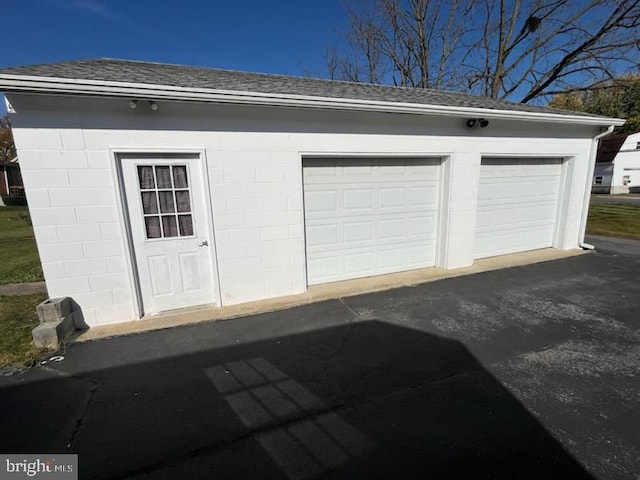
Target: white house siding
{"points": [[254, 162], [603, 172], [626, 163]]}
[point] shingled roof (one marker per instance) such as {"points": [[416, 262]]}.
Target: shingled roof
{"points": [[157, 74]]}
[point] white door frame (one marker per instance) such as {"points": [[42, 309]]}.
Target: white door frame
{"points": [[116, 155]]}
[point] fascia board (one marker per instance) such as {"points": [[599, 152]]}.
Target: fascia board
{"points": [[54, 85]]}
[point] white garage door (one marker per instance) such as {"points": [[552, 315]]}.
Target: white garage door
{"points": [[517, 205], [369, 217]]}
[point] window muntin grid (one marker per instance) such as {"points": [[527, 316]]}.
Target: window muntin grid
{"points": [[166, 201]]}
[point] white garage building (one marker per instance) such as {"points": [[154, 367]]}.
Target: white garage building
{"points": [[155, 187]]}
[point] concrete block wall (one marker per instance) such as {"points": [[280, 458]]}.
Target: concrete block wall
{"points": [[254, 166], [257, 219], [459, 203], [72, 201]]}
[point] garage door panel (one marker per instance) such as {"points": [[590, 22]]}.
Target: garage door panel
{"points": [[358, 263], [357, 199], [391, 197], [417, 256], [322, 235], [392, 229], [325, 267], [422, 226], [397, 172], [358, 232], [391, 259], [356, 170], [384, 220], [321, 201], [345, 234], [325, 173], [423, 195], [517, 205]]}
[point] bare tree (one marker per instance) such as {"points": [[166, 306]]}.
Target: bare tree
{"points": [[518, 49]]}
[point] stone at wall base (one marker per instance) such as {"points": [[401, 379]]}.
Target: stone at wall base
{"points": [[54, 309], [50, 334]]}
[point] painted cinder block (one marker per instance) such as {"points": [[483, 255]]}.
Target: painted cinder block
{"points": [[54, 216], [102, 248], [113, 281], [46, 235], [58, 252], [69, 197], [73, 159], [78, 233], [38, 138], [104, 196], [38, 198], [116, 264], [274, 203], [239, 175], [97, 214], [90, 178], [242, 205], [97, 160], [72, 139], [246, 170], [277, 232], [270, 174], [122, 295], [53, 270], [114, 314], [92, 299], [88, 267], [110, 231], [73, 286], [45, 178]]}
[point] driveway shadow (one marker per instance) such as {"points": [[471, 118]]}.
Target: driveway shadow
{"points": [[362, 399]]}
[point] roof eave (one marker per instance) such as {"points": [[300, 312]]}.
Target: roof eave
{"points": [[55, 85]]}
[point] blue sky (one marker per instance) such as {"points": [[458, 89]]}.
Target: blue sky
{"points": [[271, 36]]}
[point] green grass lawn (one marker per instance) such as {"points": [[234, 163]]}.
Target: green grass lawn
{"points": [[19, 261], [17, 318], [617, 220]]}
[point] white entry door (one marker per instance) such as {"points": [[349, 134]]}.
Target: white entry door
{"points": [[170, 232], [517, 205], [367, 217]]}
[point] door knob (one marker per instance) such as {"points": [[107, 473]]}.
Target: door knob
{"points": [[204, 243]]}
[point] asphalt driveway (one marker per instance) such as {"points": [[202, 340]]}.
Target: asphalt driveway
{"points": [[528, 372]]}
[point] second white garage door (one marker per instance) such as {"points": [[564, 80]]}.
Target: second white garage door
{"points": [[369, 217], [517, 205]]}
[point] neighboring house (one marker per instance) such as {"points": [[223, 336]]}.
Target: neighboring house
{"points": [[10, 178], [154, 187], [618, 164]]}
